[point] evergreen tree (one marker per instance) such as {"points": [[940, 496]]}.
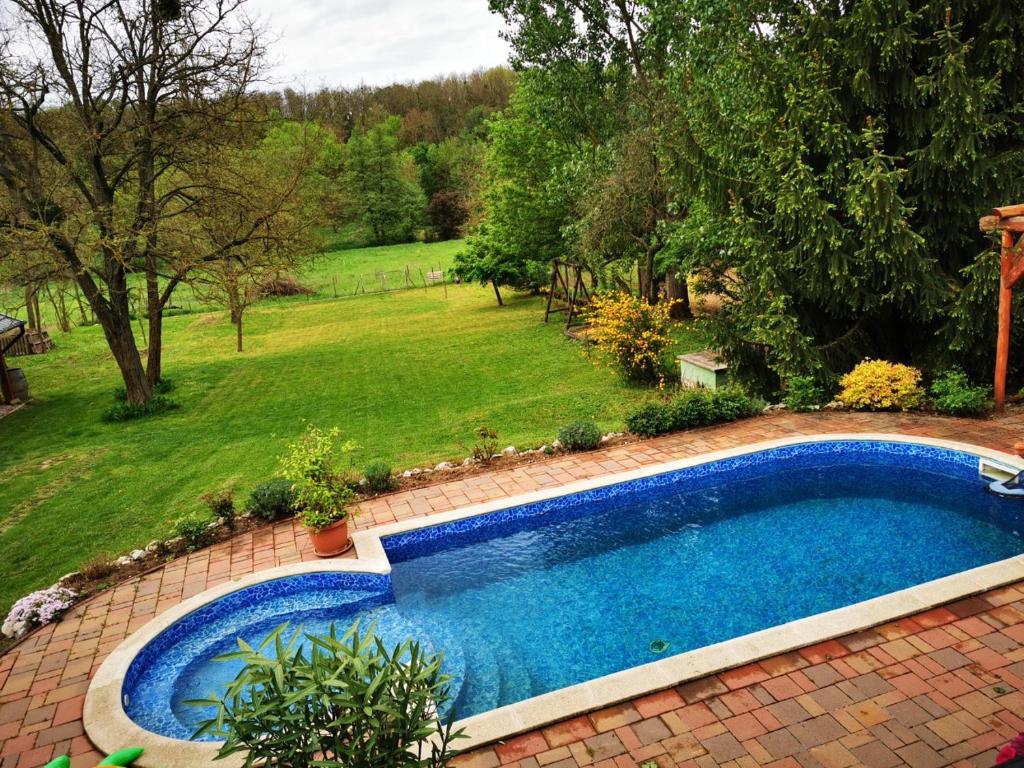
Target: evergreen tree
{"points": [[841, 154]]}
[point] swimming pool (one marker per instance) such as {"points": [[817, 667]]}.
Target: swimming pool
{"points": [[537, 597]]}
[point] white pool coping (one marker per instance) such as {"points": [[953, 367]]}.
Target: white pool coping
{"points": [[110, 728]]}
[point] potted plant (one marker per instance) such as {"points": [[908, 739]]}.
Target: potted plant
{"points": [[322, 491]]}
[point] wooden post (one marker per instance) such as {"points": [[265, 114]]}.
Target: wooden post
{"points": [[5, 381], [1005, 305]]}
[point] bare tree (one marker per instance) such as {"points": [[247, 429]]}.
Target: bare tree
{"points": [[282, 199], [108, 111]]}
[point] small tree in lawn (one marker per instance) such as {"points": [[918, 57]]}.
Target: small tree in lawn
{"points": [[280, 179], [305, 701]]}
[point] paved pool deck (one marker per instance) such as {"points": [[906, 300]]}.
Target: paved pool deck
{"points": [[945, 687]]}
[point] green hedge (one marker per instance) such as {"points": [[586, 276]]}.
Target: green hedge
{"points": [[691, 408]]}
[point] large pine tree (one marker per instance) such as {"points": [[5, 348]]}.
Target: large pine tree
{"points": [[837, 156]]}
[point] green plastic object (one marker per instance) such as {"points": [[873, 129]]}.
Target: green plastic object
{"points": [[123, 757], [60, 762]]}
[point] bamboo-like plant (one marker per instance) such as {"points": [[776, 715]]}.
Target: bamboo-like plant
{"points": [[307, 701]]}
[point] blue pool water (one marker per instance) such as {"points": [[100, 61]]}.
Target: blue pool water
{"points": [[535, 598]]}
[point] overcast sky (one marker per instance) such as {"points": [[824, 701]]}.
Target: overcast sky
{"points": [[348, 42]]}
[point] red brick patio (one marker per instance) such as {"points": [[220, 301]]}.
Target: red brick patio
{"points": [[942, 688]]}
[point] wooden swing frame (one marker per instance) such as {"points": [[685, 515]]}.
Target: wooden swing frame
{"points": [[568, 292]]}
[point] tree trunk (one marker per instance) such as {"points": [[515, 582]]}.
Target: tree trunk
{"points": [[238, 330], [497, 293], [678, 290], [30, 307], [117, 327], [81, 306], [154, 357], [114, 315], [651, 283]]}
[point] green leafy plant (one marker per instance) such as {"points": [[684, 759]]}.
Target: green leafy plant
{"points": [[322, 490], [692, 408], [222, 505], [583, 435], [194, 530], [650, 419], [272, 499], [126, 411], [305, 700], [952, 392], [732, 403], [379, 477], [803, 393], [486, 445]]}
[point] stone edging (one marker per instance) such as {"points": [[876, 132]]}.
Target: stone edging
{"points": [[110, 728]]}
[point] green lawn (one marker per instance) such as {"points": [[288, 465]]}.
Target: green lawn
{"points": [[407, 374], [344, 272]]}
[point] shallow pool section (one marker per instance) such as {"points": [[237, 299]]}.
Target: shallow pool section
{"points": [[534, 598]]}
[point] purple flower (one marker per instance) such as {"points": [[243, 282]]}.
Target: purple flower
{"points": [[38, 608]]}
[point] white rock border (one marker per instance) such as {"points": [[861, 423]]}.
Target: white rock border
{"points": [[110, 728]]}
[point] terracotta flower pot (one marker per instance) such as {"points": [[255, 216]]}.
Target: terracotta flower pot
{"points": [[330, 541]]}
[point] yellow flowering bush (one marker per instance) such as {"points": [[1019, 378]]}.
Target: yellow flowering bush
{"points": [[879, 385], [632, 333]]}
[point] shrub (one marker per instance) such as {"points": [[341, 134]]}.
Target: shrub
{"points": [[99, 567], [194, 530], [633, 334], [322, 490], [379, 478], [486, 445], [692, 408], [583, 435], [879, 385], [129, 411], [731, 403], [36, 609], [222, 505], [650, 419], [347, 701], [952, 392], [272, 500], [803, 394]]}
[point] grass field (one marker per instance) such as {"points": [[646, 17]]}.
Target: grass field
{"points": [[341, 272], [409, 375]]}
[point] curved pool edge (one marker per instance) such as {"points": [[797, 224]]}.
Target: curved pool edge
{"points": [[109, 727]]}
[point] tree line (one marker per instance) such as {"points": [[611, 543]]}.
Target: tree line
{"points": [[820, 167]]}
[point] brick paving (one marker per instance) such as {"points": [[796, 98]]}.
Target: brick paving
{"points": [[944, 687]]}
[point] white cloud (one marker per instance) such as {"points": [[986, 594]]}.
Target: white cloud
{"points": [[347, 42]]}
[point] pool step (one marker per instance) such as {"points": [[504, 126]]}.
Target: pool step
{"points": [[515, 679], [481, 689]]}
